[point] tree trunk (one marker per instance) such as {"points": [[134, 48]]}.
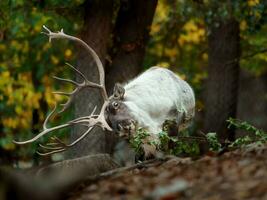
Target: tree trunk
{"points": [[130, 38], [252, 104], [96, 33], [131, 35], [222, 82]]}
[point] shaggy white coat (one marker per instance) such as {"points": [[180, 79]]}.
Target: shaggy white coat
{"points": [[159, 94]]}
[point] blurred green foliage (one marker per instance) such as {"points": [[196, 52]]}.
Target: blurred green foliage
{"points": [[214, 144], [255, 134], [27, 62], [178, 41], [138, 140], [185, 144]]}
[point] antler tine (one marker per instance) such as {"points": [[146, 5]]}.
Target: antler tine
{"points": [[48, 117], [76, 70], [45, 129], [59, 141], [93, 112], [101, 117], [58, 144], [63, 93], [67, 104], [79, 87], [61, 145], [50, 152], [49, 147], [66, 80]]}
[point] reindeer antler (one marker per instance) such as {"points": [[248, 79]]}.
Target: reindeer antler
{"points": [[61, 34], [89, 121]]}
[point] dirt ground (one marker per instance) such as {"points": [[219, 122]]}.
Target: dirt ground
{"points": [[236, 175]]}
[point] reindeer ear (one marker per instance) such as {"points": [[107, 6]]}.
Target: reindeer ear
{"points": [[118, 92]]}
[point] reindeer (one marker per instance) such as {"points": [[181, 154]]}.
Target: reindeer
{"points": [[147, 101]]}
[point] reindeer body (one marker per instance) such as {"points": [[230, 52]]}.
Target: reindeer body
{"points": [[157, 95], [148, 100]]}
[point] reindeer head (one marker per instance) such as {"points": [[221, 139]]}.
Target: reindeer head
{"points": [[118, 115]]}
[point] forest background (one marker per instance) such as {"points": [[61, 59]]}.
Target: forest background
{"points": [[182, 36]]}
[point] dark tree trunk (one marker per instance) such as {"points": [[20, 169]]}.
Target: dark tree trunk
{"points": [[130, 38], [96, 33], [222, 83], [252, 104], [131, 35]]}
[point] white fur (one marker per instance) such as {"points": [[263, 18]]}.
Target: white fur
{"points": [[155, 95]]}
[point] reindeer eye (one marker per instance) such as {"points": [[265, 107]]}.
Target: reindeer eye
{"points": [[115, 105]]}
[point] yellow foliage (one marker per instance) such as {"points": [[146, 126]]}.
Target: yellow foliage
{"points": [[170, 52], [243, 25], [24, 101], [2, 47], [26, 76], [262, 56], [68, 53], [201, 32], [252, 3], [199, 105], [46, 46], [25, 123], [161, 16], [190, 26], [21, 120], [10, 122], [155, 28], [25, 48], [257, 15], [198, 78], [18, 109], [46, 81], [182, 76], [157, 50], [15, 44], [193, 34], [34, 9], [9, 146], [33, 99], [5, 74], [181, 41], [54, 59], [21, 96], [16, 61], [205, 56], [25, 119], [164, 64], [49, 97], [37, 28], [38, 56], [162, 10]]}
